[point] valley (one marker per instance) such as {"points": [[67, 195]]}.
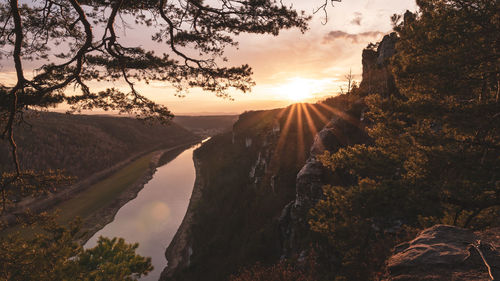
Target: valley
{"points": [[361, 141]]}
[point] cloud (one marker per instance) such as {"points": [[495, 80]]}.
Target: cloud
{"points": [[354, 38], [358, 17]]}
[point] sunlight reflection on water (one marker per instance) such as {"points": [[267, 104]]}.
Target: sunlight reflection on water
{"points": [[153, 217]]}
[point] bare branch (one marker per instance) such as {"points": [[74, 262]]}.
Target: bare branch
{"points": [[323, 9]]}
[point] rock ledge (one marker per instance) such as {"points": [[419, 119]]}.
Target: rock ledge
{"points": [[445, 252]]}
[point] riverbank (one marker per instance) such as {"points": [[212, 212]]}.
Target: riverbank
{"points": [[46, 202], [153, 217], [106, 214], [97, 199], [179, 251]]}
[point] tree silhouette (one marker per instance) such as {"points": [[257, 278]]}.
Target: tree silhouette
{"points": [[54, 254], [77, 42]]}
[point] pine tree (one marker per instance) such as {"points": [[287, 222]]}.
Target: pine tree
{"points": [[435, 157], [54, 254]]}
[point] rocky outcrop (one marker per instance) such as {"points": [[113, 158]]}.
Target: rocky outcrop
{"points": [[447, 253], [377, 76], [386, 49], [343, 130]]}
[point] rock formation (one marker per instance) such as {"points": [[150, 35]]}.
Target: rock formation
{"points": [[342, 131], [377, 76], [447, 253]]}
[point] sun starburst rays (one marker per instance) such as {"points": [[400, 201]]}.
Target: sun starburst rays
{"points": [[300, 134], [300, 123], [341, 114]]}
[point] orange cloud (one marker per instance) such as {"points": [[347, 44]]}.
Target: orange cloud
{"points": [[354, 38]]}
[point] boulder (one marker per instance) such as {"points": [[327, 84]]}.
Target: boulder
{"points": [[445, 252]]}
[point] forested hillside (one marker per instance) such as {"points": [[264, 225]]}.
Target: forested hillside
{"points": [[84, 144]]}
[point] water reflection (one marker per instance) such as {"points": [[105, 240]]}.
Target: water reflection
{"points": [[153, 217]]}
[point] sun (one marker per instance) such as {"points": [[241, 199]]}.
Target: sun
{"points": [[296, 90]]}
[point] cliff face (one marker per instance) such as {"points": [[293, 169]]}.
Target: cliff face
{"points": [[232, 174], [245, 178], [342, 131]]}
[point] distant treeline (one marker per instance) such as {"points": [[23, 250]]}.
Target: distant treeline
{"points": [[207, 125]]}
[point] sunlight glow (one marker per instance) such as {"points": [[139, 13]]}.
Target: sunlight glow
{"points": [[301, 152], [297, 89], [305, 119]]}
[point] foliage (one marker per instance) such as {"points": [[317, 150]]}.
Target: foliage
{"points": [[450, 48], [281, 271], [451, 109], [112, 259], [62, 36], [53, 254], [29, 183], [435, 153]]}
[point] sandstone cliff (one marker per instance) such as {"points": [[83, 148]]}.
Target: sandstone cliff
{"points": [[377, 76], [342, 131], [248, 177], [447, 253]]}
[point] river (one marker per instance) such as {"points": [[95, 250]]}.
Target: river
{"points": [[153, 217]]}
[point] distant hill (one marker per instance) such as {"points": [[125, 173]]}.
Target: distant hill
{"points": [[207, 125], [85, 144]]}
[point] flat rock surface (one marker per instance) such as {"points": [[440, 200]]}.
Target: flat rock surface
{"points": [[446, 253]]}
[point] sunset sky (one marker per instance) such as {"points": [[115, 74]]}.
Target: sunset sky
{"points": [[288, 68]]}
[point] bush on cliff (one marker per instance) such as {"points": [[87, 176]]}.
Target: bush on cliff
{"points": [[435, 153]]}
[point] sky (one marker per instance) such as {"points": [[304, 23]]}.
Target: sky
{"points": [[291, 67]]}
